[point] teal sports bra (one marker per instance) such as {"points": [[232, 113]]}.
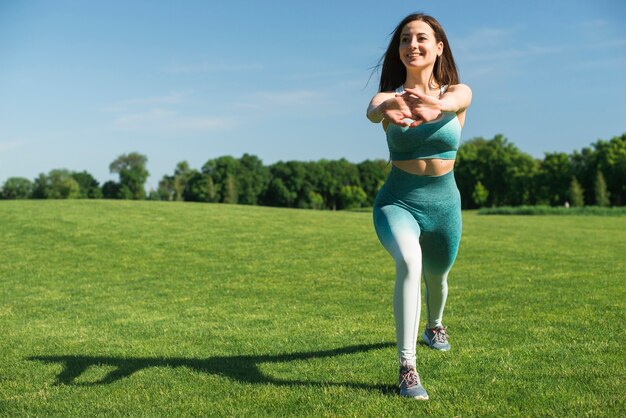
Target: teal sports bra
{"points": [[439, 138]]}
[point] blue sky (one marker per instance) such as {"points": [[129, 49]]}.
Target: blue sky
{"points": [[82, 82]]}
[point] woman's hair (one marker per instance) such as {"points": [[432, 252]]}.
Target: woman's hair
{"points": [[393, 73]]}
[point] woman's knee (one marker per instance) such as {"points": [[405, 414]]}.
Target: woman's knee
{"points": [[409, 262], [436, 282]]}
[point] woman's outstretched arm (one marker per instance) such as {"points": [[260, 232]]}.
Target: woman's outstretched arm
{"points": [[426, 108], [390, 107]]}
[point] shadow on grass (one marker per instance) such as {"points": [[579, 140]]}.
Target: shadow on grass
{"points": [[243, 369]]}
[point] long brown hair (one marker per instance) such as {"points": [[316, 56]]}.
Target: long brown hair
{"points": [[393, 73]]}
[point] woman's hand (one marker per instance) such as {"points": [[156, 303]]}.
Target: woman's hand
{"points": [[389, 107], [423, 108], [396, 110], [420, 108]]}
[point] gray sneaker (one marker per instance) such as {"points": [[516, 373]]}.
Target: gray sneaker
{"points": [[436, 338], [410, 386]]}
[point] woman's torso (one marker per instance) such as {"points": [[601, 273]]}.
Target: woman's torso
{"points": [[430, 166]]}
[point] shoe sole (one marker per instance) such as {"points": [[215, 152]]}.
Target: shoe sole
{"points": [[427, 341], [418, 397]]}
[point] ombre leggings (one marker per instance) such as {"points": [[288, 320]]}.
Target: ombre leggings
{"points": [[418, 221]]}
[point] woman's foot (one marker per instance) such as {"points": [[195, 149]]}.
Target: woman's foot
{"points": [[410, 386], [436, 338]]}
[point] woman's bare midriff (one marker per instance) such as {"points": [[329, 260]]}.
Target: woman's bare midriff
{"points": [[425, 167]]}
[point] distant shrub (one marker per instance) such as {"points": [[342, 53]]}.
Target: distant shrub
{"points": [[576, 193], [602, 194], [554, 210]]}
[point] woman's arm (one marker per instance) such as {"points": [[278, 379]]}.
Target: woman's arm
{"points": [[426, 108], [390, 107], [456, 99]]}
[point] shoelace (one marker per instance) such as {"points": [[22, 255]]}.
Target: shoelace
{"points": [[440, 335], [409, 377]]}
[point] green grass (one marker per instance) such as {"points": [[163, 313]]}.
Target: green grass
{"points": [[180, 309]]}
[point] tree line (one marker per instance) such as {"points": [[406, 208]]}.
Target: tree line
{"points": [[489, 172]]}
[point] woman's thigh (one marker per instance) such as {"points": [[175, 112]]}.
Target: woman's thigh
{"points": [[398, 231]]}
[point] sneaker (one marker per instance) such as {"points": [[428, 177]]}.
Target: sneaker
{"points": [[410, 386], [436, 338]]}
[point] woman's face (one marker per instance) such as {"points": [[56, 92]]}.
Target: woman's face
{"points": [[418, 46]]}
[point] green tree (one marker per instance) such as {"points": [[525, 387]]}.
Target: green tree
{"points": [[57, 184], [166, 189], [277, 194], [316, 201], [133, 175], [500, 166], [173, 187], [467, 170], [219, 169], [602, 194], [229, 190], [287, 187], [311, 191], [480, 194], [335, 175], [89, 186], [126, 193], [40, 187], [111, 190], [553, 179], [609, 157], [372, 175], [584, 167], [576, 193], [153, 195], [179, 181], [252, 178], [351, 197], [17, 188], [200, 188]]}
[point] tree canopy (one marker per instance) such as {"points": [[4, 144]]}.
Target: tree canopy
{"points": [[488, 172]]}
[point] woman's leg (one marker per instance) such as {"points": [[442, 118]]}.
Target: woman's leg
{"points": [[440, 247], [436, 293], [399, 233]]}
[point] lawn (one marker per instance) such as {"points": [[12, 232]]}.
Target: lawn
{"points": [[150, 309]]}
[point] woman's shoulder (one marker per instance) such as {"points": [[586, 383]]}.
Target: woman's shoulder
{"points": [[381, 97], [385, 94], [462, 93], [458, 87]]}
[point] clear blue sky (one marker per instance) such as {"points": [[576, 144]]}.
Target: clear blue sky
{"points": [[82, 82]]}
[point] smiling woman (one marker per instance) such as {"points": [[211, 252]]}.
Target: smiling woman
{"points": [[417, 213]]}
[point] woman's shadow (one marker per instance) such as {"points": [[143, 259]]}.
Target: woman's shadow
{"points": [[243, 369]]}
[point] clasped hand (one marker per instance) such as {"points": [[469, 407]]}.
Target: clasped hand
{"points": [[412, 105]]}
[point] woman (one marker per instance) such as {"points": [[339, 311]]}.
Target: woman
{"points": [[417, 213]]}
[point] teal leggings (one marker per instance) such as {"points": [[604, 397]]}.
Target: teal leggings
{"points": [[418, 221]]}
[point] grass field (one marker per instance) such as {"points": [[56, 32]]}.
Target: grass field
{"points": [[146, 308]]}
